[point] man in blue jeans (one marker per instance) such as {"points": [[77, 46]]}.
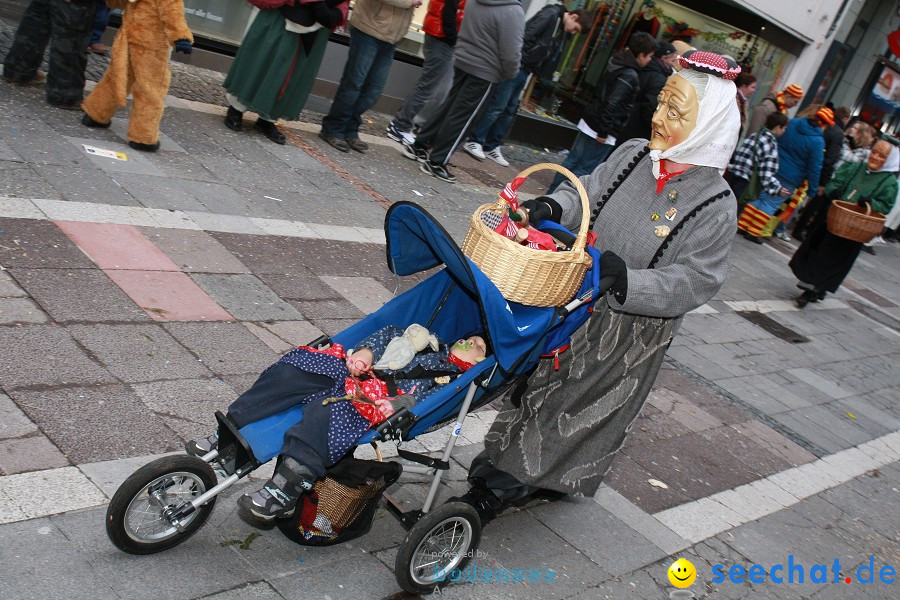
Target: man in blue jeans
{"points": [[544, 35], [101, 19], [375, 28], [613, 100]]}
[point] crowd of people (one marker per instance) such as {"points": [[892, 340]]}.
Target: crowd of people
{"points": [[664, 124]]}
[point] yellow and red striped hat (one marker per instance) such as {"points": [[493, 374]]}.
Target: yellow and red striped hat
{"points": [[794, 90], [826, 115]]}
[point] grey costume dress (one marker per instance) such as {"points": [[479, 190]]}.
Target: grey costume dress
{"points": [[571, 421]]}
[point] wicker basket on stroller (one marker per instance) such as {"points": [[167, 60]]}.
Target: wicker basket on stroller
{"points": [[847, 220], [522, 274]]}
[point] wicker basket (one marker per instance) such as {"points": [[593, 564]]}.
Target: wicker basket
{"points": [[522, 274], [847, 220]]}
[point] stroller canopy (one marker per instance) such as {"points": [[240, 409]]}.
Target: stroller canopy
{"points": [[416, 242]]}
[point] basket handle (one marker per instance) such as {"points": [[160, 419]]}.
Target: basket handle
{"points": [[581, 237]]}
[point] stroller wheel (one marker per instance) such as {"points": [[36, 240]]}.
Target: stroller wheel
{"points": [[136, 520], [443, 541]]}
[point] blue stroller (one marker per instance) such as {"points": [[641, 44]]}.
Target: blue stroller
{"points": [[167, 500]]}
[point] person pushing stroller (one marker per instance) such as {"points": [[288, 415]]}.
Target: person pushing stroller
{"points": [[343, 394]]}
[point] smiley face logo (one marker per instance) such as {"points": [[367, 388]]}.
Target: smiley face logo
{"points": [[682, 573]]}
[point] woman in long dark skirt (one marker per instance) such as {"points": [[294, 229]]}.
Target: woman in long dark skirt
{"points": [[823, 260]]}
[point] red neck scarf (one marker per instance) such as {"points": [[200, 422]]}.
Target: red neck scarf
{"points": [[779, 102], [463, 365], [664, 176]]}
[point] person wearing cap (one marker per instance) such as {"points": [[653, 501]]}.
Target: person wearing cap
{"points": [[781, 101], [800, 154], [664, 221], [651, 79]]}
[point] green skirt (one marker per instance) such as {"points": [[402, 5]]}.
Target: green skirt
{"points": [[272, 74]]}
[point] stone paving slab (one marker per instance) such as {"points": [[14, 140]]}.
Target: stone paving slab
{"points": [[13, 422], [40, 245], [117, 247], [97, 423], [24, 181], [45, 355], [21, 310], [169, 296], [86, 183], [163, 192], [245, 297], [43, 563], [34, 453], [79, 295], [194, 251], [187, 406], [224, 348], [136, 353]]}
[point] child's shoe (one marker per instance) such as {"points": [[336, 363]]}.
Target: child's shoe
{"points": [[278, 497], [202, 446]]}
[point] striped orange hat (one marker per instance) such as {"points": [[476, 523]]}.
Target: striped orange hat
{"points": [[794, 90], [826, 115]]}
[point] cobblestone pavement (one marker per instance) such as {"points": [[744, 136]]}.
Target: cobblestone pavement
{"points": [[139, 296]]}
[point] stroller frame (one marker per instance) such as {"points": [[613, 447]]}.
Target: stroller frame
{"points": [[179, 492]]}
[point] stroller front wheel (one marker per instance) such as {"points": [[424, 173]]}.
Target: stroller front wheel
{"points": [[440, 543], [139, 518]]}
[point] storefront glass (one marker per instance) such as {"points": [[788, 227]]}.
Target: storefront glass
{"points": [[568, 87]]}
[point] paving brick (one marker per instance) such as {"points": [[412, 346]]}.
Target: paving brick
{"points": [[296, 333], [79, 295], [692, 521], [246, 297], [89, 424], [363, 292], [45, 354], [187, 406], [9, 288], [773, 441], [194, 251], [38, 244], [21, 310], [13, 422], [29, 454], [168, 296], [225, 348]]}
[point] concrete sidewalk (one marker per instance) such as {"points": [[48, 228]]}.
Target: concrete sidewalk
{"points": [[138, 296]]}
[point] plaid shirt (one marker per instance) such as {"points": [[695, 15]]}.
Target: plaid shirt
{"points": [[765, 147]]}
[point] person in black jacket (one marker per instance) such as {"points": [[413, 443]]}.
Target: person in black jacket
{"points": [[613, 101], [652, 78], [544, 35]]}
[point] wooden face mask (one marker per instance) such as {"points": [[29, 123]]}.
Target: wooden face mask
{"points": [[676, 114]]}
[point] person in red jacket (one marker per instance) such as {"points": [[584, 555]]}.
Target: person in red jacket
{"points": [[441, 25]]}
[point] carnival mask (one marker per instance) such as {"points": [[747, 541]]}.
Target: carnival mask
{"points": [[878, 155], [676, 114]]}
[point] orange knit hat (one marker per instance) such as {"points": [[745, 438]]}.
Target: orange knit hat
{"points": [[794, 90], [826, 115]]}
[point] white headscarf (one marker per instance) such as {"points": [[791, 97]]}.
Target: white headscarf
{"points": [[892, 162], [715, 136]]}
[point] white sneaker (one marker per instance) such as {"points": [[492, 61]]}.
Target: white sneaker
{"points": [[474, 148], [497, 156], [878, 240], [783, 235]]}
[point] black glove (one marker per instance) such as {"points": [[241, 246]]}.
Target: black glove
{"points": [[325, 15], [613, 275], [863, 201], [542, 207], [450, 40], [183, 46]]}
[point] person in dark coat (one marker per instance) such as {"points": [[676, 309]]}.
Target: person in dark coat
{"points": [[603, 119], [66, 27], [652, 78]]}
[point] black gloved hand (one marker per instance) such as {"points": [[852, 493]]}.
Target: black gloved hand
{"points": [[183, 46], [613, 275], [542, 207]]}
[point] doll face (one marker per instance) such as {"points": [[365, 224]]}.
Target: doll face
{"points": [[676, 114], [878, 155], [470, 350]]}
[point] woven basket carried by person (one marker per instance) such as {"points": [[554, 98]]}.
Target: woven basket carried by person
{"points": [[522, 274], [847, 220]]}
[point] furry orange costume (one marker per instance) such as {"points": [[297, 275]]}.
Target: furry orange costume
{"points": [[139, 66]]}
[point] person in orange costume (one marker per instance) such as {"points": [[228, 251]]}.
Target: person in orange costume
{"points": [[140, 66]]}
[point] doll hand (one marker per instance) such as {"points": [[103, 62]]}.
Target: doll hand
{"points": [[384, 406], [183, 46], [360, 362]]}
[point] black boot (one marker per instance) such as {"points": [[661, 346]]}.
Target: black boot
{"points": [[278, 496], [807, 297], [144, 147], [87, 121], [268, 129], [483, 500], [234, 119]]}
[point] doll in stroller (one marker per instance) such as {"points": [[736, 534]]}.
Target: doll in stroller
{"points": [[164, 502]]}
